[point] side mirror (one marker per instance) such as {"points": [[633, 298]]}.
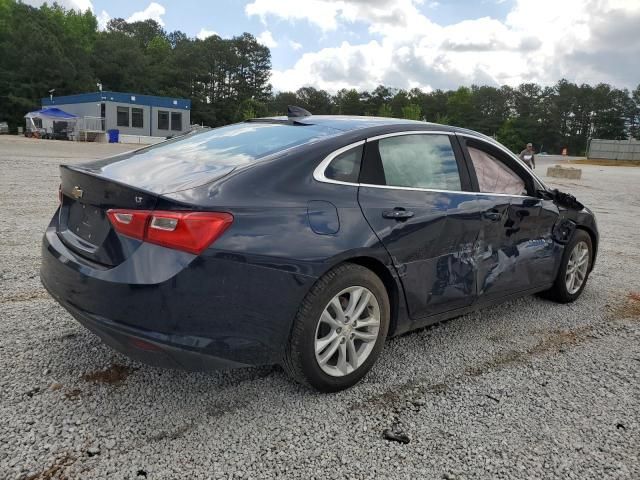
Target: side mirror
{"points": [[544, 194]]}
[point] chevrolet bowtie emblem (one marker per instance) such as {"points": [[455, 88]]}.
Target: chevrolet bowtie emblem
{"points": [[77, 192]]}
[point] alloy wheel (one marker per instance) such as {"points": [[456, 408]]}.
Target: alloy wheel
{"points": [[577, 267], [347, 331]]}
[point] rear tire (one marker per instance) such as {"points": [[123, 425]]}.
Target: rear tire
{"points": [[339, 330], [574, 269]]}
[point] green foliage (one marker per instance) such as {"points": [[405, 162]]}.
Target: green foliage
{"points": [[634, 113], [385, 111], [442, 119], [52, 47], [280, 101], [316, 101], [460, 107], [347, 102], [510, 137], [411, 112], [398, 102], [252, 109]]}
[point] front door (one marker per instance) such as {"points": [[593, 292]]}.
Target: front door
{"points": [[413, 194], [516, 251]]}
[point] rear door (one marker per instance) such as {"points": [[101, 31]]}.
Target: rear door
{"points": [[413, 193], [516, 251]]}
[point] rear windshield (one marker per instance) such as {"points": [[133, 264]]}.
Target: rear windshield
{"points": [[235, 145], [202, 157]]}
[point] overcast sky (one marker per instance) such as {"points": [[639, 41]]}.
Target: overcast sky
{"points": [[333, 44]]}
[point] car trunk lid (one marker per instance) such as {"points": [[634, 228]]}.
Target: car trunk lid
{"points": [[83, 223]]}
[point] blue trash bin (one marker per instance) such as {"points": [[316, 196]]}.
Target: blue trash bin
{"points": [[114, 135]]}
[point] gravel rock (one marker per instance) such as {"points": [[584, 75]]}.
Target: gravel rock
{"points": [[527, 389]]}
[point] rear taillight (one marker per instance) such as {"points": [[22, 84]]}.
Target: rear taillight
{"points": [[188, 231]]}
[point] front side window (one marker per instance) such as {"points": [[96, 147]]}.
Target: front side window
{"points": [[419, 161], [494, 176], [163, 120], [137, 118], [176, 121], [346, 166], [122, 116]]}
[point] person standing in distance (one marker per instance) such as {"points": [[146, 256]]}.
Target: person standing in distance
{"points": [[528, 157]]}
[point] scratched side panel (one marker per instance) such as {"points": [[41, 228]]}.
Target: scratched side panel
{"points": [[531, 236], [433, 250], [451, 280], [517, 253], [494, 261]]}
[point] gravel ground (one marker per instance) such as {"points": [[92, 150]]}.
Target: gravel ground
{"points": [[527, 389]]}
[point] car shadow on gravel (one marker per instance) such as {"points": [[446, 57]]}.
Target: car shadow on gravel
{"points": [[81, 359], [411, 394]]}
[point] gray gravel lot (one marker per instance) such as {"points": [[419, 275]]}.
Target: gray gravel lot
{"points": [[527, 389]]}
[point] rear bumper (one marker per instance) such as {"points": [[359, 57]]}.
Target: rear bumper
{"points": [[152, 348], [177, 310]]}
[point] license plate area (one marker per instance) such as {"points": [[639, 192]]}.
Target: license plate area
{"points": [[87, 221]]}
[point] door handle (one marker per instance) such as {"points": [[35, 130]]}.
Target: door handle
{"points": [[492, 215], [398, 213]]}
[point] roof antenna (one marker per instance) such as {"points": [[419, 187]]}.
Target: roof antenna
{"points": [[294, 112]]}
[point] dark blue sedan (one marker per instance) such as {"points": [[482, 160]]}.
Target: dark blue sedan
{"points": [[305, 241]]}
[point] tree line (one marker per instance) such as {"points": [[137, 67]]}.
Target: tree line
{"points": [[52, 47], [565, 115], [227, 80]]}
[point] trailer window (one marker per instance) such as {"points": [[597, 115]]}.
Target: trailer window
{"points": [[176, 121], [137, 118], [163, 120], [122, 116]]}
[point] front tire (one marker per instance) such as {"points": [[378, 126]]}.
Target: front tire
{"points": [[339, 330], [574, 269]]}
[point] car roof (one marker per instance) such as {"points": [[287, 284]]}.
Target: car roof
{"points": [[348, 123], [373, 125]]}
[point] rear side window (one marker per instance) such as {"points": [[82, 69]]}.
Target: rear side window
{"points": [[346, 166], [419, 161]]}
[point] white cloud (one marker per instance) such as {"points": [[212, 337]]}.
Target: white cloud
{"points": [[539, 41], [103, 19], [266, 39], [204, 33], [320, 12], [154, 11], [326, 14], [295, 45]]}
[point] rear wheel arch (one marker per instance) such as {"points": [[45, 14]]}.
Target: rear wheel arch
{"points": [[382, 271]]}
